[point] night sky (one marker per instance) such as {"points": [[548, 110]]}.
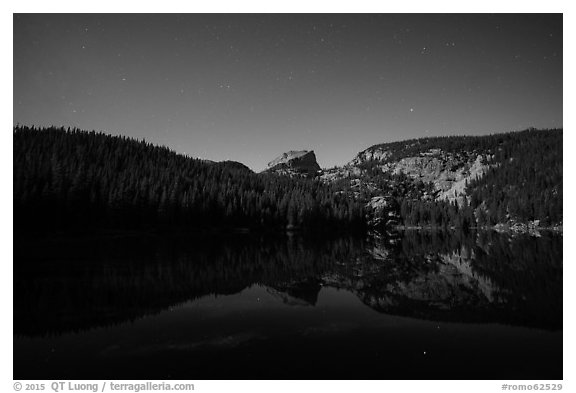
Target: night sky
{"points": [[249, 87]]}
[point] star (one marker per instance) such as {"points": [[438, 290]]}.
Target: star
{"points": [[411, 109]]}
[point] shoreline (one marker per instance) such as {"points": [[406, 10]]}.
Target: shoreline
{"points": [[500, 228]]}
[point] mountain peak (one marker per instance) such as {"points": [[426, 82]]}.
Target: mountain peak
{"points": [[295, 162]]}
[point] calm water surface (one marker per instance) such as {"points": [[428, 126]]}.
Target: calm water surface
{"points": [[419, 305]]}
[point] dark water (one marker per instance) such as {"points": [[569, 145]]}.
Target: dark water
{"points": [[423, 305]]}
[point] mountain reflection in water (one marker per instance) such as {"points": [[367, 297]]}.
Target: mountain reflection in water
{"points": [[66, 290]]}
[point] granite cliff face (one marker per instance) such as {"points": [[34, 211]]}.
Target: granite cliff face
{"points": [[378, 173], [298, 163], [447, 172]]}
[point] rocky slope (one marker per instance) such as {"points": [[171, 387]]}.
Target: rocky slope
{"points": [[449, 181], [430, 175], [447, 172]]}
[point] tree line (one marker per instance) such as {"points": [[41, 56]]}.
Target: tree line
{"points": [[68, 179]]}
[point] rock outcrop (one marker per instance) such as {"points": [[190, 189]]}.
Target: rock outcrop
{"points": [[295, 163], [370, 155], [447, 172], [382, 210]]}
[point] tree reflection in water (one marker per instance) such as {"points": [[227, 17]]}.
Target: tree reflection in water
{"points": [[73, 285]]}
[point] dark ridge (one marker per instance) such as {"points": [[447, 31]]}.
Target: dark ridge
{"points": [[72, 180]]}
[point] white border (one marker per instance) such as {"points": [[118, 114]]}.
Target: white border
{"points": [[8, 8]]}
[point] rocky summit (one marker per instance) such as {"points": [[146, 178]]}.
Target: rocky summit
{"points": [[301, 163]]}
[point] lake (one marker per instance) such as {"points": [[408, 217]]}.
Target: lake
{"points": [[410, 305]]}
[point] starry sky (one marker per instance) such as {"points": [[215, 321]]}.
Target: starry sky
{"points": [[249, 87]]}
